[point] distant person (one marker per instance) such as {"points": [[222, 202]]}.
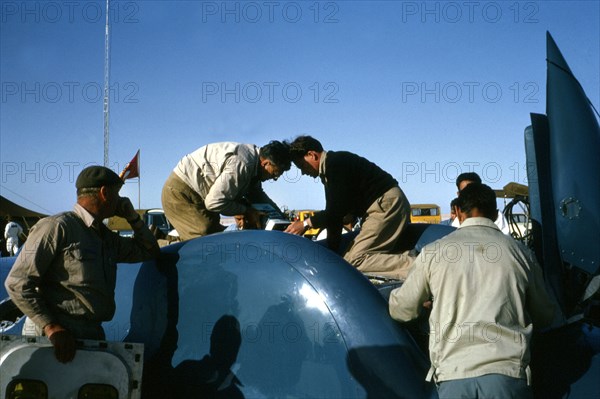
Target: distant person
{"points": [[487, 294], [239, 223], [12, 232], [463, 180], [357, 186], [453, 204], [64, 278], [221, 179]]}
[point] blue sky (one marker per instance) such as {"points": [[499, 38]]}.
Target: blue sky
{"points": [[424, 89]]}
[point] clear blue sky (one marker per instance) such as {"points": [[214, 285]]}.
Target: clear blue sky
{"points": [[424, 89]]}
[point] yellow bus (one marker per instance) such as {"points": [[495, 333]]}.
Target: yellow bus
{"points": [[425, 213]]}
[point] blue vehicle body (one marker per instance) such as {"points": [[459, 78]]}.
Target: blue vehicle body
{"points": [[563, 149], [289, 318], [310, 324]]}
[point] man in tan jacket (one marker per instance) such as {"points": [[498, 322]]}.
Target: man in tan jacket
{"points": [[488, 293]]}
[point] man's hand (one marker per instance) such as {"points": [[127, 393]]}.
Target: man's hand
{"points": [[296, 227], [125, 210], [63, 342], [253, 217]]}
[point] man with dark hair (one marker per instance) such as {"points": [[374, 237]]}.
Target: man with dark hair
{"points": [[64, 277], [221, 179], [479, 198], [462, 181], [354, 185], [466, 178], [488, 293]]}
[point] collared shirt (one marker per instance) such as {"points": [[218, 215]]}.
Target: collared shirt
{"points": [[68, 267], [501, 222], [488, 293], [222, 173], [322, 168]]}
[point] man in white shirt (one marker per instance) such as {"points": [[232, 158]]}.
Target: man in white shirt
{"points": [[221, 179], [487, 294]]}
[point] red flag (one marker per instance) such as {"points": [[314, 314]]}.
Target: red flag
{"points": [[132, 169]]}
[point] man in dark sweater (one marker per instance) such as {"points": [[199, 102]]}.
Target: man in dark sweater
{"points": [[354, 185]]}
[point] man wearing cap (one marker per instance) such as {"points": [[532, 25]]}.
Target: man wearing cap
{"points": [[64, 277], [221, 179]]}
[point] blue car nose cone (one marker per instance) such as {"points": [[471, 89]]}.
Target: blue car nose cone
{"points": [[278, 314]]}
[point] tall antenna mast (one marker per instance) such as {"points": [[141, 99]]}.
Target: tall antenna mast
{"points": [[106, 85]]}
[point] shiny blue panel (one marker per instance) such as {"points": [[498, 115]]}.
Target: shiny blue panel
{"points": [[575, 164], [542, 207], [118, 327], [310, 324], [533, 181]]}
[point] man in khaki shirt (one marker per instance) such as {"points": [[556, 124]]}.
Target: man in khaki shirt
{"points": [[487, 294], [64, 278]]}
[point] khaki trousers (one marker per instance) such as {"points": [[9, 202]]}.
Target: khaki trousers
{"points": [[185, 209], [372, 250]]}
